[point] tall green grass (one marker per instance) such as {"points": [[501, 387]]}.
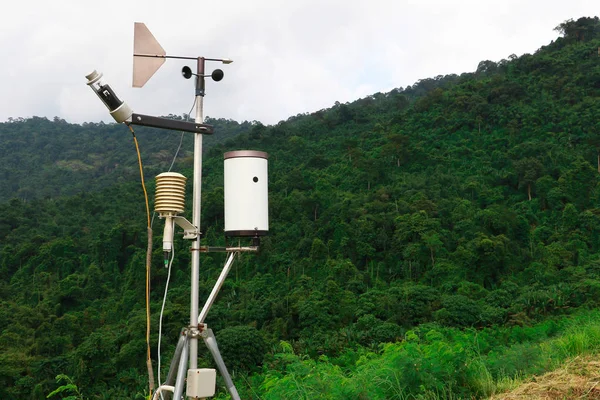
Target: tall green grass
{"points": [[431, 362]]}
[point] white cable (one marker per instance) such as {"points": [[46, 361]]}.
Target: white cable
{"points": [[160, 390], [162, 309]]}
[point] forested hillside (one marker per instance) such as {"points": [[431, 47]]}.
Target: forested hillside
{"points": [[423, 242], [45, 159]]}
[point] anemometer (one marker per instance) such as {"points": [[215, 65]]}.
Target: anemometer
{"points": [[246, 210]]}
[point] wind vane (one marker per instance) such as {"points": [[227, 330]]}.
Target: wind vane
{"points": [[148, 55]]}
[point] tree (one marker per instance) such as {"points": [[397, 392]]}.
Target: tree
{"points": [[69, 387], [578, 182], [243, 347], [582, 29], [529, 170], [397, 147], [594, 140], [458, 310]]}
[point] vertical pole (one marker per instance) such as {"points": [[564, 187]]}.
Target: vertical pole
{"points": [[194, 297]]}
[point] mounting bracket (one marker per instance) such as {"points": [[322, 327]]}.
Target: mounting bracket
{"points": [[171, 124]]}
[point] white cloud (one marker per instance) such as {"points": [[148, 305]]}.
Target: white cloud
{"points": [[289, 57]]}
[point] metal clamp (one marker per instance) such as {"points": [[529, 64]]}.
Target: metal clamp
{"points": [[193, 332], [203, 330], [189, 230]]}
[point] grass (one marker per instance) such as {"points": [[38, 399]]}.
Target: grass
{"points": [[578, 378], [572, 362], [437, 363]]}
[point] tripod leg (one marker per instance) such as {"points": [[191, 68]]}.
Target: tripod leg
{"points": [[181, 371], [174, 363], [211, 343]]}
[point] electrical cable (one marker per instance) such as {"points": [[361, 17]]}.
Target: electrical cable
{"points": [[148, 265], [162, 309], [137, 148], [177, 152], [191, 108], [182, 133], [187, 118]]}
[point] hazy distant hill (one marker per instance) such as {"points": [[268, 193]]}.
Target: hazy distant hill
{"points": [[41, 158]]}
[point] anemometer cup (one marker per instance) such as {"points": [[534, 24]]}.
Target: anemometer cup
{"points": [[216, 75]]}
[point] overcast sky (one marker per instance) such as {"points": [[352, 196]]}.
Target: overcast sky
{"points": [[290, 57]]}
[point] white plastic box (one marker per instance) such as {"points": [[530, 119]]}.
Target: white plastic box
{"points": [[201, 383]]}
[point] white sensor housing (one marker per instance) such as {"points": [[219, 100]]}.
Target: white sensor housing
{"points": [[119, 110], [246, 193]]}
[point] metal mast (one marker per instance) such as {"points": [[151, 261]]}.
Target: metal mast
{"points": [[196, 210]]}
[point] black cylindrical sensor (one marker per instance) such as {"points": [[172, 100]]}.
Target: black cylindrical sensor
{"points": [[109, 97]]}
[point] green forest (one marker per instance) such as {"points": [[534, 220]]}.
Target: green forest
{"points": [[438, 241]]}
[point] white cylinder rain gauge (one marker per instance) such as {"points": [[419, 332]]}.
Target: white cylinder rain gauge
{"points": [[246, 193]]}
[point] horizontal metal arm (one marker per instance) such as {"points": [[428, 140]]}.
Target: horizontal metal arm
{"points": [[164, 56], [223, 60], [229, 249], [171, 124]]}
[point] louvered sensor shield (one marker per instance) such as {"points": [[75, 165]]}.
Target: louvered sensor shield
{"points": [[170, 194], [169, 201]]}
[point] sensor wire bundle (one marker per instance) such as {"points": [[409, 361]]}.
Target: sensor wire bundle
{"points": [[148, 265]]}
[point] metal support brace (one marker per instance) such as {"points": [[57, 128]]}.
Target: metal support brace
{"points": [[213, 294], [228, 249], [189, 230]]}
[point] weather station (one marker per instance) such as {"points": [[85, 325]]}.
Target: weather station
{"points": [[246, 215]]}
